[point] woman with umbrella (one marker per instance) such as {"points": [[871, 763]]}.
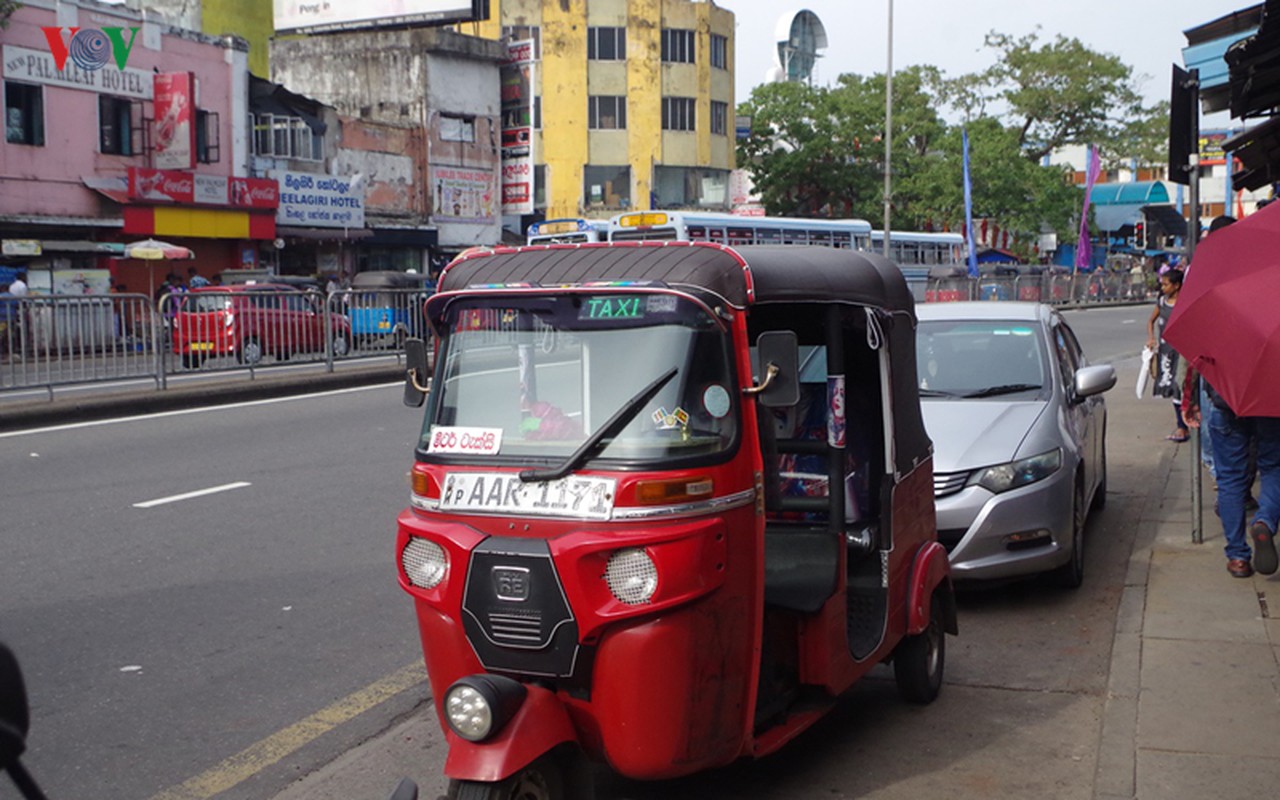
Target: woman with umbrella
{"points": [[1230, 334]]}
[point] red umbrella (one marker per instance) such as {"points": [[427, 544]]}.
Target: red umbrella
{"points": [[1225, 322]]}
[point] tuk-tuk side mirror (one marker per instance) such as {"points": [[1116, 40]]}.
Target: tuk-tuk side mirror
{"points": [[779, 356], [415, 375]]}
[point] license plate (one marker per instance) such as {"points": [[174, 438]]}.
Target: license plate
{"points": [[384, 326], [200, 347], [578, 496]]}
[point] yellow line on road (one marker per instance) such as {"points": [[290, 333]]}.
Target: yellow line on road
{"points": [[268, 751]]}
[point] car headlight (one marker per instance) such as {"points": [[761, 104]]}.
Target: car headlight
{"points": [[1003, 477], [424, 562], [632, 576]]}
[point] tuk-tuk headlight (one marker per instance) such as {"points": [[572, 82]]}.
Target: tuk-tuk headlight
{"points": [[424, 562], [478, 706], [632, 576], [1003, 477]]}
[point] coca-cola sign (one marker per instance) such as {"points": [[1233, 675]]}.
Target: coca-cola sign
{"points": [[161, 185], [174, 186]]}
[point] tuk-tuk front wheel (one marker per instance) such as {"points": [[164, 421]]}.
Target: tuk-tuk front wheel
{"points": [[919, 660], [544, 779]]}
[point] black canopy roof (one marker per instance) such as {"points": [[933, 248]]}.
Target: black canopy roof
{"points": [[782, 273]]}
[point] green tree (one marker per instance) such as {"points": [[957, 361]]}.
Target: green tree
{"points": [[1054, 94], [7, 7]]}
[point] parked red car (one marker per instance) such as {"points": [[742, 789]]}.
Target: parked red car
{"points": [[254, 321]]}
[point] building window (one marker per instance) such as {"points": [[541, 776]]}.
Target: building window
{"points": [[607, 44], [719, 118], [23, 114], [285, 137], [540, 186], [606, 113], [519, 33], [117, 126], [690, 187], [457, 129], [607, 187], [719, 51], [537, 113], [208, 137], [678, 114], [677, 46]]}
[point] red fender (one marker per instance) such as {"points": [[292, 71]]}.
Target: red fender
{"points": [[929, 569], [541, 724]]}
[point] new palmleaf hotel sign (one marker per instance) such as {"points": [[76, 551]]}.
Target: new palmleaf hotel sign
{"points": [[89, 59]]}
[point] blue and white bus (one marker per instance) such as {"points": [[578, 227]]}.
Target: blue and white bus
{"points": [[568, 231], [732, 229], [913, 248]]}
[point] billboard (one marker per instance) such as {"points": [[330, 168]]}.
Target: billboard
{"points": [[326, 16], [175, 130], [517, 128]]}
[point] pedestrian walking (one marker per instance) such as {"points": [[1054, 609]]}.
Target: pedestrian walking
{"points": [[1167, 359]]}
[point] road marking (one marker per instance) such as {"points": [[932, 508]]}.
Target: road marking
{"points": [[262, 754], [226, 487], [184, 411]]}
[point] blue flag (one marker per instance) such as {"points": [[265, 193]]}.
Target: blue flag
{"points": [[968, 209]]}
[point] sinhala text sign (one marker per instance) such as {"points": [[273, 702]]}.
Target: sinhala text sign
{"points": [[318, 16], [517, 128], [321, 201]]}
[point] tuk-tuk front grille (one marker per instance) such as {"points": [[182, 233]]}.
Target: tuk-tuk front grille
{"points": [[515, 612], [948, 483]]}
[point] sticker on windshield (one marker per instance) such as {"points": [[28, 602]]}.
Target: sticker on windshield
{"points": [[715, 399], [669, 421], [452, 439]]}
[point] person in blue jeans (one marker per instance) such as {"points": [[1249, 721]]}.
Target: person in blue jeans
{"points": [[1232, 438]]}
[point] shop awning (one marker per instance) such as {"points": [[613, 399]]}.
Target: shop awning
{"points": [[1116, 205], [323, 234]]}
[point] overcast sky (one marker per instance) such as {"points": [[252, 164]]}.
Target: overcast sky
{"points": [[1145, 34]]}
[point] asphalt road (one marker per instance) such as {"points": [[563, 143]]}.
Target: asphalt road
{"points": [[224, 645]]}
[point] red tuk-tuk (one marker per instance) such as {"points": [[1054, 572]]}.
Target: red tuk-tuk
{"points": [[670, 500]]}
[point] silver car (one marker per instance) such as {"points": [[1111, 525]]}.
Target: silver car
{"points": [[1019, 433]]}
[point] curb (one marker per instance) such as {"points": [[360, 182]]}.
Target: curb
{"points": [[235, 388]]}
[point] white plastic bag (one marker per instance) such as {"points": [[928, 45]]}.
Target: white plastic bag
{"points": [[1144, 372]]}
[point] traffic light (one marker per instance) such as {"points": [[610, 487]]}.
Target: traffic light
{"points": [[1140, 235]]}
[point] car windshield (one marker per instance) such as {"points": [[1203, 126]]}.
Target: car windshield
{"points": [[538, 375], [978, 358]]}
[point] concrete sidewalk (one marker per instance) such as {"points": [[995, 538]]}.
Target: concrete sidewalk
{"points": [[1193, 707]]}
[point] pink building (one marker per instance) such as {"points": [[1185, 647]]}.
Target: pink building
{"points": [[122, 130]]}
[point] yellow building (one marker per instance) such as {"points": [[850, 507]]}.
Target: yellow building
{"points": [[251, 20], [633, 105]]}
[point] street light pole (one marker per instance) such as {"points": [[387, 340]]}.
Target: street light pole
{"points": [[888, 133]]}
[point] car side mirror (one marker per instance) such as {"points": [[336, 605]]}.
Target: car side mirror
{"points": [[779, 356], [1094, 380], [15, 716], [416, 383]]}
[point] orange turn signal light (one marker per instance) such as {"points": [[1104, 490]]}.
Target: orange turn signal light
{"points": [[424, 485], [679, 490]]}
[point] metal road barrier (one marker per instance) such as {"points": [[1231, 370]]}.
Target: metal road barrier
{"points": [[64, 340]]}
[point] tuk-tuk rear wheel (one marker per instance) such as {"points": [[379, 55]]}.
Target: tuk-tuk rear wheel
{"points": [[919, 660], [541, 780]]}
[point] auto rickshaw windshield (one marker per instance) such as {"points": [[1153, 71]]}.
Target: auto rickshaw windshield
{"points": [[543, 373]]}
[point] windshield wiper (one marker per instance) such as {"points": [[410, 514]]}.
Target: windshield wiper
{"points": [[936, 393], [610, 429], [1008, 388]]}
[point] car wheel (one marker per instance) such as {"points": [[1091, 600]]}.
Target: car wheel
{"points": [[192, 360], [341, 345], [541, 780], [919, 660], [250, 352], [1071, 574]]}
